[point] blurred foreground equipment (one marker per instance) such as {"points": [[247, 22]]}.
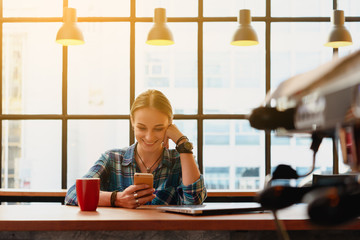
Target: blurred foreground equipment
{"points": [[324, 102]]}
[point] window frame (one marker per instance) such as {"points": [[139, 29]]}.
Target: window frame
{"points": [[199, 117]]}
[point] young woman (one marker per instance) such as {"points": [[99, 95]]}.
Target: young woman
{"points": [[177, 179]]}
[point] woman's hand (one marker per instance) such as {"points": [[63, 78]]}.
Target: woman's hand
{"points": [[134, 196], [172, 133]]}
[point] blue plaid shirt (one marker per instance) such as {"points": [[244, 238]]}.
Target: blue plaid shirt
{"points": [[116, 169]]}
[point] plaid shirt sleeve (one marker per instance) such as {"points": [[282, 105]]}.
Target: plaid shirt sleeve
{"points": [[99, 170], [193, 194]]}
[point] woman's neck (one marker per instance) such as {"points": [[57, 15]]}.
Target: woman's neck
{"points": [[148, 161], [148, 156]]}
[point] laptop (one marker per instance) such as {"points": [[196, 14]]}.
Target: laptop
{"points": [[213, 208]]}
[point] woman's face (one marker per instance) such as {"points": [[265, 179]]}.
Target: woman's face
{"points": [[150, 126]]}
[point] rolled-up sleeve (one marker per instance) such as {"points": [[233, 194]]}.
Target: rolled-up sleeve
{"points": [[96, 171], [195, 193]]}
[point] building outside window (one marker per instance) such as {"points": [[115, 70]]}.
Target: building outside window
{"points": [[55, 125]]}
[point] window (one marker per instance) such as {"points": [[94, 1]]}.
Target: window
{"points": [[235, 145], [246, 135], [233, 77], [62, 107], [218, 178], [247, 178], [217, 132]]}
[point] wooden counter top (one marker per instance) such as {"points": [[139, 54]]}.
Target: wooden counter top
{"points": [[42, 217]]}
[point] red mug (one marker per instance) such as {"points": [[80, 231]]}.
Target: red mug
{"points": [[87, 192]]}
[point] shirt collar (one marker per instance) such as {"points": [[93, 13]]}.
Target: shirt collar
{"points": [[129, 155]]}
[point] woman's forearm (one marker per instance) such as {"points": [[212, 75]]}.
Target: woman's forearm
{"points": [[190, 171]]}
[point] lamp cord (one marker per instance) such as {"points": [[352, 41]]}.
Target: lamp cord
{"points": [[316, 141], [312, 167]]}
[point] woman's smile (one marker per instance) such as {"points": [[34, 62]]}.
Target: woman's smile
{"points": [[149, 143]]}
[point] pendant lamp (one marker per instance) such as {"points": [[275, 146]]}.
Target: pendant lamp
{"points": [[245, 35], [69, 33], [339, 35], [160, 34]]}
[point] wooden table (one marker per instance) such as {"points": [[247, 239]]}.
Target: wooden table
{"points": [[70, 218]]}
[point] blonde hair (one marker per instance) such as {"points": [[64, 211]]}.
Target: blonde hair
{"points": [[155, 99]]}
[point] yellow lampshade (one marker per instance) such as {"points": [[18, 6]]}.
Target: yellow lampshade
{"points": [[69, 33], [245, 35], [160, 34], [339, 35]]}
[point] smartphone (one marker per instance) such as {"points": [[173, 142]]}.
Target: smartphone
{"points": [[144, 178]]}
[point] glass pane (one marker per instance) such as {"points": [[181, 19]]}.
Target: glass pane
{"points": [[101, 8], [170, 69], [353, 28], [99, 70], [88, 139], [231, 8], [296, 152], [294, 52], [234, 77], [350, 7], [33, 8], [31, 68], [174, 8], [233, 155], [31, 154], [303, 8]]}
